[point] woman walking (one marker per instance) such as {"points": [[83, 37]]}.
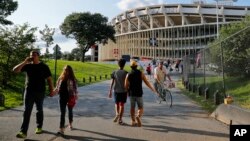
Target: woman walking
{"points": [[67, 88]]}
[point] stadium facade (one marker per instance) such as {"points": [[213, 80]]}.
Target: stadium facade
{"points": [[168, 30]]}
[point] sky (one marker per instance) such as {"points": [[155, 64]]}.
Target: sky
{"points": [[37, 13]]}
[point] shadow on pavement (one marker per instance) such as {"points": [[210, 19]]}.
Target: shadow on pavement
{"points": [[166, 129], [114, 138]]}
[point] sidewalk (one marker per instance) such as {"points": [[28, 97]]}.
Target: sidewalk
{"points": [[94, 112]]}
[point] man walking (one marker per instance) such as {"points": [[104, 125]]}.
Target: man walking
{"points": [[36, 74], [120, 93], [133, 83]]}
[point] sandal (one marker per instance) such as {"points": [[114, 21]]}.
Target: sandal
{"points": [[116, 118], [60, 133], [133, 123], [121, 122], [70, 127]]}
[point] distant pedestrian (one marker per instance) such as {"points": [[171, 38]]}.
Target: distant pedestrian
{"points": [[177, 65], [120, 93], [133, 83], [67, 88], [149, 71], [198, 60], [36, 74]]}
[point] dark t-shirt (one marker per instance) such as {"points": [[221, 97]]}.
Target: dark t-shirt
{"points": [[63, 91], [119, 77], [35, 76], [135, 83]]}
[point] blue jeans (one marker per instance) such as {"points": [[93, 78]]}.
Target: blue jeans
{"points": [[29, 99]]}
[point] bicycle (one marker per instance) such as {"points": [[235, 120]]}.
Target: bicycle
{"points": [[165, 95]]}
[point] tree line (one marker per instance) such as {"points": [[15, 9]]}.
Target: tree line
{"points": [[16, 41], [233, 47]]}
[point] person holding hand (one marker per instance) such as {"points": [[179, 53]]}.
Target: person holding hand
{"points": [[36, 74], [67, 88]]}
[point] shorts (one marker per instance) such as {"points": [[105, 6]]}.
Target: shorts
{"points": [[134, 100], [149, 72], [120, 97]]}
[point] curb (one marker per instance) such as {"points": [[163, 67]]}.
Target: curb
{"points": [[231, 114]]}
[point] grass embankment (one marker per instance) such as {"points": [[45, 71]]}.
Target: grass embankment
{"points": [[13, 93], [200, 100], [238, 88]]}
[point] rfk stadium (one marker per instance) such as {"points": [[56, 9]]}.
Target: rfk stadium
{"points": [[168, 30]]}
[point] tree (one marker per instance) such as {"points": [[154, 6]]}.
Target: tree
{"points": [[77, 53], [235, 43], [87, 29], [15, 44], [7, 7], [47, 36]]}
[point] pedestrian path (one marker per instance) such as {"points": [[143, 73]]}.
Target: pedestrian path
{"points": [[94, 112]]}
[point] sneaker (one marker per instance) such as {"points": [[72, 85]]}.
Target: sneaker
{"points": [[39, 131], [21, 135], [138, 121]]}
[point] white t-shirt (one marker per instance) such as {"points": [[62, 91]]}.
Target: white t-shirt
{"points": [[161, 73]]}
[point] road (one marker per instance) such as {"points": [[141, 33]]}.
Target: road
{"points": [[94, 112]]}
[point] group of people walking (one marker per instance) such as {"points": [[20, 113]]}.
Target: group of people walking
{"points": [[131, 84], [124, 83], [36, 74]]}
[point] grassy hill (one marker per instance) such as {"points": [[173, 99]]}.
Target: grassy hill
{"points": [[13, 94]]}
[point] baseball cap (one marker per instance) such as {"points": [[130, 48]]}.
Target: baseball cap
{"points": [[133, 63]]}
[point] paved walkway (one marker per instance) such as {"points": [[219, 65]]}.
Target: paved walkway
{"points": [[94, 112]]}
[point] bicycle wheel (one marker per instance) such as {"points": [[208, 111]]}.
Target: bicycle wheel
{"points": [[168, 97]]}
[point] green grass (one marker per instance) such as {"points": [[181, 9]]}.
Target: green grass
{"points": [[200, 100], [237, 87], [13, 93], [83, 70]]}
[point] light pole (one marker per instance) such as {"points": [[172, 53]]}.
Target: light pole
{"points": [[217, 18]]}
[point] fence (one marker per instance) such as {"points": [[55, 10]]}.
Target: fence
{"points": [[220, 70], [92, 79]]}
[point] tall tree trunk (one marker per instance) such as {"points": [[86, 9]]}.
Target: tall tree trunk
{"points": [[83, 56], [84, 49]]}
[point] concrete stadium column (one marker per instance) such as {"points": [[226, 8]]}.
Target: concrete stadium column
{"points": [[129, 26], [121, 28], [165, 20]]}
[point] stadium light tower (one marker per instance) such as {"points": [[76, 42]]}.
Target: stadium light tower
{"points": [[217, 18], [223, 2]]}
